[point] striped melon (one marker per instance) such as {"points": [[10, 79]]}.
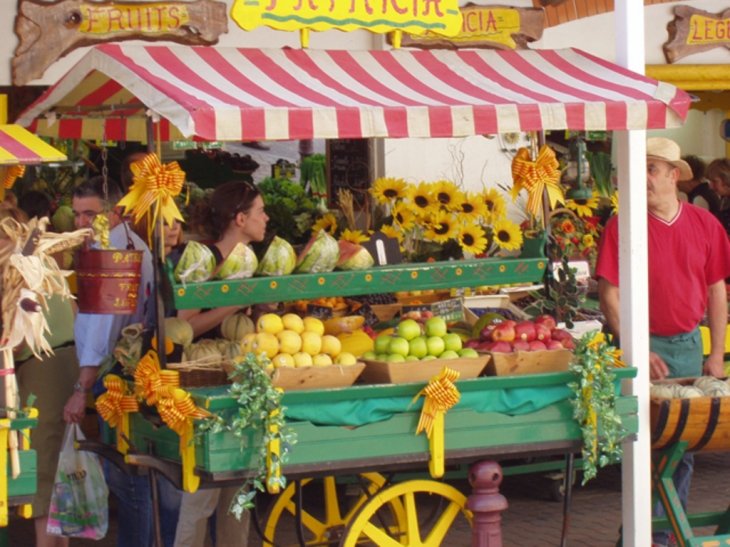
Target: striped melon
{"points": [[320, 255], [201, 351], [236, 326], [232, 350]]}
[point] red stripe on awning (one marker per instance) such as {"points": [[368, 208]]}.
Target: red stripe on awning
{"points": [[21, 152]]}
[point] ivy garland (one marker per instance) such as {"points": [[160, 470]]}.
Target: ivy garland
{"points": [[594, 404], [257, 400]]}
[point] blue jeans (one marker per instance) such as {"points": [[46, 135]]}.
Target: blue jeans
{"points": [[134, 502], [681, 477]]}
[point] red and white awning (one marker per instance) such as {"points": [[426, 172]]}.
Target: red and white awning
{"points": [[234, 94]]}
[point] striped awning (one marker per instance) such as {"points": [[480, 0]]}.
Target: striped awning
{"points": [[231, 94], [20, 147]]}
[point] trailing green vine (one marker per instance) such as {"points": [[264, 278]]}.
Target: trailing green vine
{"points": [[594, 404], [257, 402]]}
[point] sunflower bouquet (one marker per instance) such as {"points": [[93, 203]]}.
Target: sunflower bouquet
{"points": [[437, 221]]}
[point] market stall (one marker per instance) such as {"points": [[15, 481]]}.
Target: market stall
{"points": [[287, 94]]}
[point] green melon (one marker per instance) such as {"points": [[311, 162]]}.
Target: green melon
{"points": [[240, 264], [279, 259], [196, 265], [236, 326], [320, 255]]}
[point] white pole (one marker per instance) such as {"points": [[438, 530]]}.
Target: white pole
{"points": [[634, 283]]}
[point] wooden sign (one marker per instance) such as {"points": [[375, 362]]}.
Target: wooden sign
{"points": [[491, 27], [49, 31], [694, 31], [413, 16]]}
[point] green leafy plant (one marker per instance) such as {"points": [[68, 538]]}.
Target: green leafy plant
{"points": [[559, 297], [601, 173], [259, 407], [594, 403]]}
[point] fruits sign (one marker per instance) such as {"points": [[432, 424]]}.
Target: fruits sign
{"points": [[413, 16]]}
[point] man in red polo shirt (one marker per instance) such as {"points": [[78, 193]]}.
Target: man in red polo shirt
{"points": [[689, 259]]}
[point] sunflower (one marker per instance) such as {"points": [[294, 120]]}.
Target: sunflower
{"points": [[328, 223], [391, 231], [388, 190], [471, 238], [507, 235], [588, 240], [423, 199], [472, 208], [447, 194], [403, 216], [442, 227], [353, 236], [583, 207], [495, 204], [567, 227]]}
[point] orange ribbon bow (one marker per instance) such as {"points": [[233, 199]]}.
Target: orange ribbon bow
{"points": [[13, 173], [536, 177], [117, 400]]}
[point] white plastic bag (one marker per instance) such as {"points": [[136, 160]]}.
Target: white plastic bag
{"points": [[79, 502]]}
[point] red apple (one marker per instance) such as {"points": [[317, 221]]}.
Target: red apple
{"points": [[568, 344], [536, 345], [554, 344], [473, 343], [542, 332], [504, 332], [428, 314], [520, 345], [560, 334], [525, 331], [486, 332], [501, 347], [546, 320], [485, 346]]}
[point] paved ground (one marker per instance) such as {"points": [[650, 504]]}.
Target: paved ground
{"points": [[531, 520]]}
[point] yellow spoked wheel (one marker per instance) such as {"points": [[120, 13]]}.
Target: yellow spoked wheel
{"points": [[364, 530], [325, 525]]}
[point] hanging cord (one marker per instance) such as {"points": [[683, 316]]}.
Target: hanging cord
{"points": [[104, 156]]}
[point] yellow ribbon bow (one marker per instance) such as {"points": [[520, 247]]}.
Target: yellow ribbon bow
{"points": [[151, 383], [153, 190], [441, 394], [114, 407], [13, 173], [536, 177]]}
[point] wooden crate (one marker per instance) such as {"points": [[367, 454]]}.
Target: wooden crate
{"points": [[528, 362], [297, 379], [382, 372]]}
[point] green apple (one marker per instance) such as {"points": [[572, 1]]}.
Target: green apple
{"points": [[382, 356], [398, 346], [435, 326], [418, 347], [395, 358], [370, 355], [468, 352], [412, 358], [448, 354], [381, 343], [429, 358], [435, 345], [452, 342], [408, 329]]}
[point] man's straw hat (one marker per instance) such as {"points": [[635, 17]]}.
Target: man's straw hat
{"points": [[659, 148]]}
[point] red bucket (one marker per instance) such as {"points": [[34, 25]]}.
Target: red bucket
{"points": [[108, 281]]}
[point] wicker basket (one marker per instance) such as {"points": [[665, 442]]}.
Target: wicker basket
{"points": [[204, 372]]}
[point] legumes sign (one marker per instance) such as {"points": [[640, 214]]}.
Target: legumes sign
{"points": [[694, 31]]}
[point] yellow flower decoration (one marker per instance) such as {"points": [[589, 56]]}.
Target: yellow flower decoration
{"points": [[153, 191], [442, 227], [392, 232], [583, 207], [471, 207], [567, 227], [423, 199], [614, 202], [353, 236], [388, 190], [403, 216], [447, 195], [327, 223], [472, 239], [507, 235], [495, 204], [588, 240]]}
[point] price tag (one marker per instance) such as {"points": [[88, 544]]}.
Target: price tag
{"points": [[367, 312], [320, 312], [450, 310]]}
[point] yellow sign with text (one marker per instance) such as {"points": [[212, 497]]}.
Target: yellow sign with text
{"points": [[440, 17], [147, 18], [708, 30], [491, 24]]}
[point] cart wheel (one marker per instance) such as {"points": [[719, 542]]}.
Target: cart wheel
{"points": [[364, 530], [329, 528], [556, 490]]}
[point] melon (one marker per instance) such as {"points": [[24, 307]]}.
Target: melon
{"points": [[704, 382], [196, 265], [236, 326], [320, 255], [179, 331], [240, 264], [202, 351], [232, 350], [354, 257], [279, 259], [688, 392]]}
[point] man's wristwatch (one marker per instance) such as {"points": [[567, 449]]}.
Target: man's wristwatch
{"points": [[81, 389]]}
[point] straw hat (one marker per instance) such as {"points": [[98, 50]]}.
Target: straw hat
{"points": [[667, 150]]}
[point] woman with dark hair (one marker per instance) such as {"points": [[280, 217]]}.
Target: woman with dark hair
{"points": [[235, 215], [718, 173], [697, 188]]}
